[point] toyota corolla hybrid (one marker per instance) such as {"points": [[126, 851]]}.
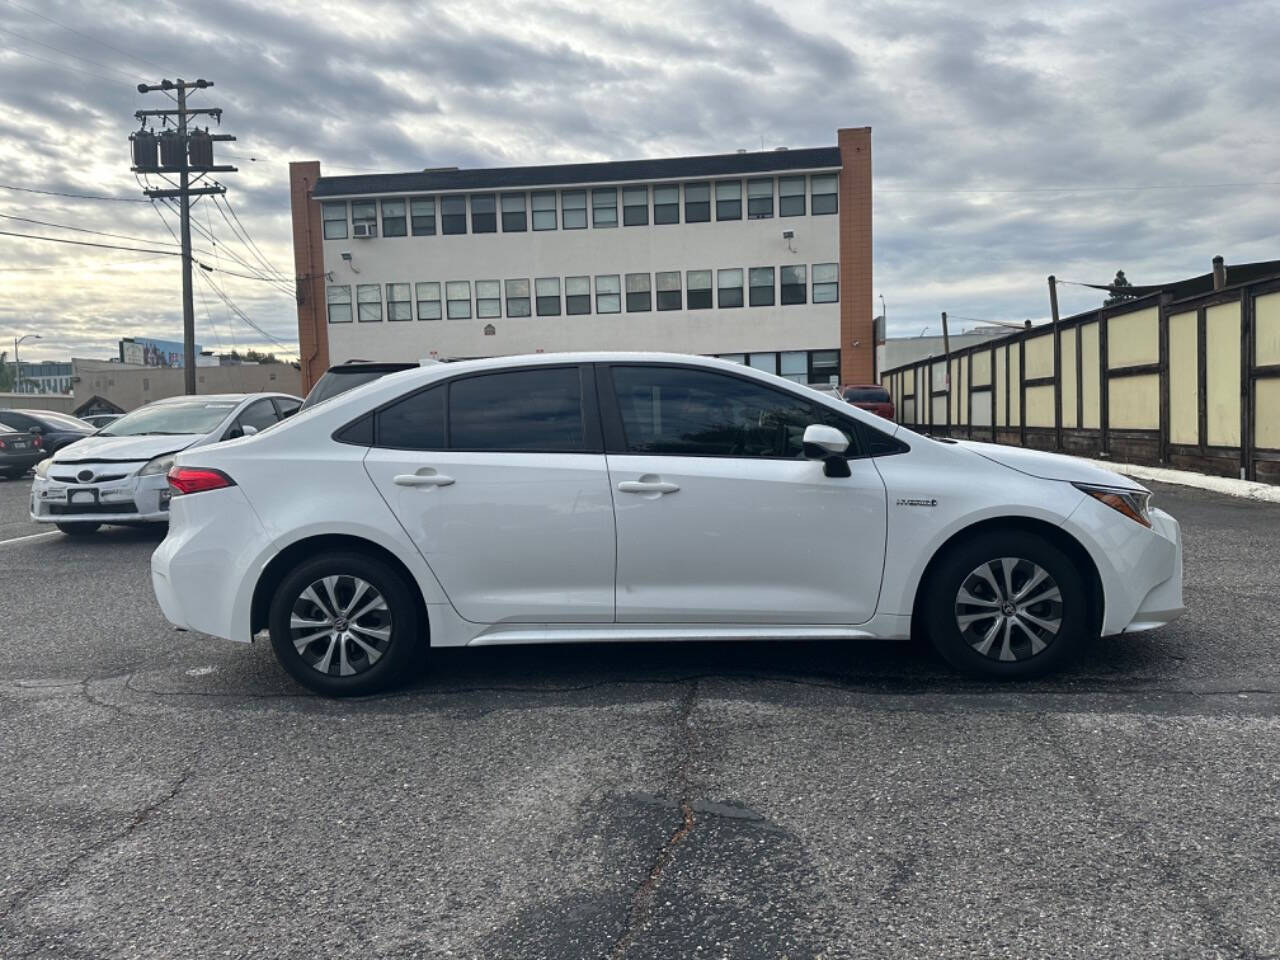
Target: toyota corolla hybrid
{"points": [[117, 475], [611, 497]]}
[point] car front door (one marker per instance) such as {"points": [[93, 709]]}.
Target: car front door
{"points": [[500, 480], [720, 518]]}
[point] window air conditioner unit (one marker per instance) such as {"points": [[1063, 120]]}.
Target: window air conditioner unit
{"points": [[364, 230]]}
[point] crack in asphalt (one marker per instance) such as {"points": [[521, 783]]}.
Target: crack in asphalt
{"points": [[642, 899], [61, 875]]}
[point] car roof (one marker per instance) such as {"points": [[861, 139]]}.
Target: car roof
{"points": [[220, 397]]}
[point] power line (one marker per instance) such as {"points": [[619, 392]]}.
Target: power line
{"points": [[101, 266], [68, 53], [54, 63], [86, 36], [254, 272], [74, 196], [86, 243], [245, 238], [63, 226], [235, 309]]}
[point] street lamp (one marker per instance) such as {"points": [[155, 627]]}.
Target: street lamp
{"points": [[17, 370]]}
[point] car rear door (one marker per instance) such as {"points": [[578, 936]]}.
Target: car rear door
{"points": [[719, 516], [500, 480]]}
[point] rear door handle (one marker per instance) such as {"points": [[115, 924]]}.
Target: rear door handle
{"points": [[426, 477], [648, 486]]}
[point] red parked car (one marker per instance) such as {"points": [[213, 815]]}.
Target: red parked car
{"points": [[871, 397]]}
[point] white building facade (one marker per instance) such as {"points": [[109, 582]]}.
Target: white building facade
{"points": [[738, 255]]}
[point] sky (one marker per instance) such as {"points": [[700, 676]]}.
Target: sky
{"points": [[1009, 140]]}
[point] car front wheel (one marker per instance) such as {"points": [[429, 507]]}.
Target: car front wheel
{"points": [[345, 624], [1007, 604]]}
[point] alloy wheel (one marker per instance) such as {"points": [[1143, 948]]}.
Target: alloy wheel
{"points": [[1009, 609], [340, 625]]}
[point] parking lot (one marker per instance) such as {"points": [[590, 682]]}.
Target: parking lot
{"points": [[168, 795]]}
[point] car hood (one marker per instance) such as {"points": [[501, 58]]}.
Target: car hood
{"points": [[97, 448], [1048, 466]]}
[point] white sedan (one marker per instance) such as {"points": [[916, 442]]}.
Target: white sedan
{"points": [[117, 475], [608, 497]]}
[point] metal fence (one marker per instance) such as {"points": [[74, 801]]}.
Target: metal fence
{"points": [[1191, 383]]}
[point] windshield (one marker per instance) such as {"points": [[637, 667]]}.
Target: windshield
{"points": [[333, 383], [188, 416], [867, 395]]}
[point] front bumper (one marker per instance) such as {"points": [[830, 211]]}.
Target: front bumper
{"points": [[130, 498], [1163, 602]]}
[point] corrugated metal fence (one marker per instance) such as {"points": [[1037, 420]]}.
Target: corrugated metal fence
{"points": [[1191, 383]]}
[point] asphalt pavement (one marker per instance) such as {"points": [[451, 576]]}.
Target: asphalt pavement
{"points": [[168, 795]]}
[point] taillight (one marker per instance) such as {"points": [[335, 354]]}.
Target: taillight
{"points": [[197, 480], [39, 443], [1, 444]]}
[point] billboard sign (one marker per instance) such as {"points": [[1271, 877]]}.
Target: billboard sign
{"points": [[152, 353]]}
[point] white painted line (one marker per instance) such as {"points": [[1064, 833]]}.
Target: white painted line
{"points": [[30, 536]]}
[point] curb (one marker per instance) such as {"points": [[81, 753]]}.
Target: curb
{"points": [[1245, 489]]}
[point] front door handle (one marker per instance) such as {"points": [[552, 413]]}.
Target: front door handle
{"points": [[648, 486], [426, 477]]}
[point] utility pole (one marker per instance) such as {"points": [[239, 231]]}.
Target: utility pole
{"points": [[180, 153]]}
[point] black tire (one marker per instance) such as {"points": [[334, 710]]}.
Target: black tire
{"points": [[400, 660], [943, 607], [79, 529]]}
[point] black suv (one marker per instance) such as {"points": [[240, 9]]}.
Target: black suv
{"points": [[346, 376]]}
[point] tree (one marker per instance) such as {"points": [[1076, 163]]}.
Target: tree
{"points": [[6, 372], [260, 357], [1118, 293]]}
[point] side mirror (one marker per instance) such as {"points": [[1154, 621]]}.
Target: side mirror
{"points": [[828, 445], [248, 430]]}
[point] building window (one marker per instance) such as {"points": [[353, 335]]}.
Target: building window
{"points": [[793, 284], [791, 196], [794, 365], [699, 286], [823, 189], [544, 210], [428, 300], [729, 288], [338, 300], [399, 306], [458, 299], [768, 362], [369, 302], [761, 286], [608, 294], [484, 215], [824, 366], [335, 220], [638, 298], [548, 291], [518, 296], [453, 215], [666, 204], [577, 295], [826, 282], [573, 209], [697, 202], [635, 206], [364, 213], [422, 211], [488, 299], [513, 216], [393, 219], [668, 285], [760, 199], [604, 207], [729, 200]]}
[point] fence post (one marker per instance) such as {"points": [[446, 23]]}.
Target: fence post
{"points": [[1162, 327], [1246, 382], [1057, 364], [1104, 387]]}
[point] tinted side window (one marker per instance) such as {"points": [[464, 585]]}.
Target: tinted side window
{"points": [[677, 410], [260, 414], [533, 410], [18, 421], [415, 422]]}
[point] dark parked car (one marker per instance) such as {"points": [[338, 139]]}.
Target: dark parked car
{"points": [[871, 397], [19, 452], [353, 373], [55, 430]]}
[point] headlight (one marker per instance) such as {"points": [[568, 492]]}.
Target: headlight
{"points": [[158, 465], [1134, 504], [42, 468]]}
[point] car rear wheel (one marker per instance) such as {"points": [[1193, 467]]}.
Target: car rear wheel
{"points": [[1007, 604], [82, 529], [345, 624]]}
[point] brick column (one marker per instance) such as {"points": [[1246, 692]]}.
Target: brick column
{"points": [[308, 261], [855, 256]]}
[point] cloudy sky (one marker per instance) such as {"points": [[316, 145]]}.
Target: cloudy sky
{"points": [[1010, 140]]}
